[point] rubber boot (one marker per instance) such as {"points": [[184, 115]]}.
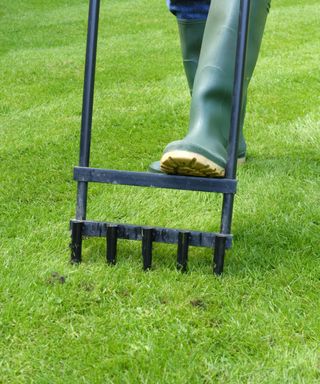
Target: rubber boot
{"points": [[191, 34], [203, 152]]}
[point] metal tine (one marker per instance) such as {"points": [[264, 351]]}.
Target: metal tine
{"points": [[219, 254], [147, 239], [183, 249], [76, 242], [112, 238]]}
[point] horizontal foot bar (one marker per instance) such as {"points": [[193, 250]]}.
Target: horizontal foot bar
{"points": [[160, 235], [146, 179]]}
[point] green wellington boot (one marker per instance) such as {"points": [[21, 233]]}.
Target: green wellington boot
{"points": [[203, 152], [191, 34]]}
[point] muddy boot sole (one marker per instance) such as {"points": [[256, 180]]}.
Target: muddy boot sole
{"points": [[191, 164]]}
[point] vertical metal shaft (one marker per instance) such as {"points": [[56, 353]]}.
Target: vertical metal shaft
{"points": [[87, 104], [240, 64], [231, 168]]}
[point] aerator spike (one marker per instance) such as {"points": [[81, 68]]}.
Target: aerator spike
{"points": [[76, 242], [147, 239], [219, 253], [112, 238], [183, 248]]}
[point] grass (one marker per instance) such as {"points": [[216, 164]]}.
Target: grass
{"points": [[97, 324]]}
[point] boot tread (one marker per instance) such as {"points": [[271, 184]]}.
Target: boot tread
{"points": [[189, 164]]}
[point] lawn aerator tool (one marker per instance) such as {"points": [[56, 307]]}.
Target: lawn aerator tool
{"points": [[84, 174]]}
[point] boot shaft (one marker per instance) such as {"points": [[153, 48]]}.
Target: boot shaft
{"points": [[191, 35], [213, 86], [210, 113]]}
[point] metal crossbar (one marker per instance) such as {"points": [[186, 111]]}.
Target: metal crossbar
{"points": [[143, 179], [83, 174], [161, 235]]}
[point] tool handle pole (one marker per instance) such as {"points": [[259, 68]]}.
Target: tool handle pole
{"points": [[87, 104]]}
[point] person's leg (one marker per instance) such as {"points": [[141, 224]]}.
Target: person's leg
{"points": [[203, 152], [189, 9]]}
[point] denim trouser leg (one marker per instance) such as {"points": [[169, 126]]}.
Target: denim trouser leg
{"points": [[189, 9]]}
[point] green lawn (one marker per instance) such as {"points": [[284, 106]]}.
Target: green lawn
{"points": [[259, 323]]}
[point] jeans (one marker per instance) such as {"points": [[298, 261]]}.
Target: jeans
{"points": [[189, 9]]}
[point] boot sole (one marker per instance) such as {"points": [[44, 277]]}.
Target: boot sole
{"points": [[191, 164]]}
